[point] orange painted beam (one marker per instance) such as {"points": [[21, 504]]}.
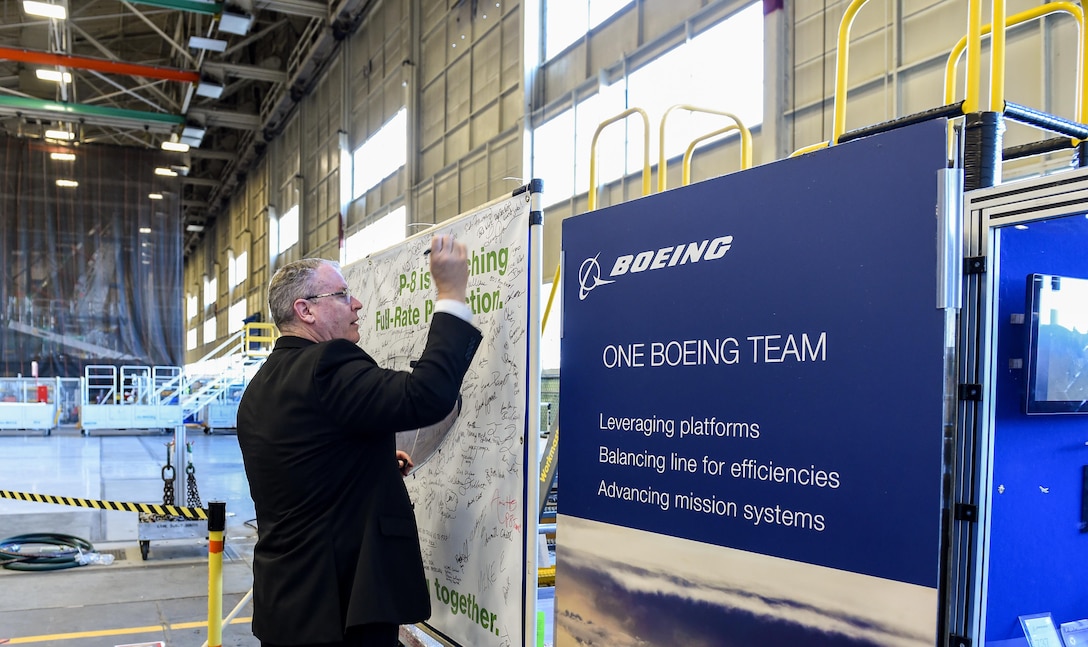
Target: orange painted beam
{"points": [[98, 65]]}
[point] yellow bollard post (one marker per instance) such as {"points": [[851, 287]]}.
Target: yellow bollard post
{"points": [[217, 521]]}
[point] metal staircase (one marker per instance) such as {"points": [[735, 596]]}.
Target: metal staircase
{"points": [[221, 375], [163, 397]]}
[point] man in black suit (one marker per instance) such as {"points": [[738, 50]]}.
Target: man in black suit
{"points": [[337, 560]]}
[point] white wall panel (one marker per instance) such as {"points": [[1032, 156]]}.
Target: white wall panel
{"points": [[932, 30], [921, 87], [484, 126], [486, 75], [458, 92], [1061, 66], [433, 114]]}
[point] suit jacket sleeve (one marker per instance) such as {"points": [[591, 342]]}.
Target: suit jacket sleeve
{"points": [[374, 400]]}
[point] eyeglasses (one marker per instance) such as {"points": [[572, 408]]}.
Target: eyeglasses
{"points": [[342, 293]]}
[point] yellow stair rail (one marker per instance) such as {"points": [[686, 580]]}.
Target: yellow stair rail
{"points": [[1034, 13], [974, 68], [737, 125], [257, 339], [745, 140], [645, 153], [746, 154]]}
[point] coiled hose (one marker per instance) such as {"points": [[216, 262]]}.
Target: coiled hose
{"points": [[68, 553]]}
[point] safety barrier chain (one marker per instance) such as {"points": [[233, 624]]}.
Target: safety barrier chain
{"points": [[121, 506]]}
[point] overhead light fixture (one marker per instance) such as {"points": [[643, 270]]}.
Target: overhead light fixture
{"points": [[155, 196], [210, 44], [45, 9], [194, 228], [193, 134], [67, 183], [145, 230], [53, 75], [176, 147], [209, 88], [235, 20], [63, 157], [59, 134], [162, 170]]}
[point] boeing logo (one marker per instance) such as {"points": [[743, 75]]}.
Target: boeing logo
{"points": [[589, 274], [589, 277]]}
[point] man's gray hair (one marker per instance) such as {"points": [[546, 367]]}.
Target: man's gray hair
{"points": [[293, 281]]}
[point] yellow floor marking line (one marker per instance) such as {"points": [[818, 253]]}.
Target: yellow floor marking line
{"points": [[27, 640]]}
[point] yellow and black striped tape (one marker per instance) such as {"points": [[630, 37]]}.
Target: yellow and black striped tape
{"points": [[149, 508]]}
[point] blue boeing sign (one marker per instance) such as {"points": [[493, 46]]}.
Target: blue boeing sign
{"points": [[752, 380]]}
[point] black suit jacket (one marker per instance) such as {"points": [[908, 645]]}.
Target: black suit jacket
{"points": [[337, 539]]}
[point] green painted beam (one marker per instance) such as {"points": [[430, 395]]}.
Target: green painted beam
{"points": [[74, 110], [194, 6]]}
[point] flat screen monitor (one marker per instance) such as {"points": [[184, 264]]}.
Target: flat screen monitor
{"points": [[1057, 357]]}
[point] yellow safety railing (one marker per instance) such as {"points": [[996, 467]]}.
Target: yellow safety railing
{"points": [[645, 153], [843, 63], [257, 339], [746, 149], [974, 68], [808, 149], [974, 56], [745, 140], [997, 56], [1034, 13]]}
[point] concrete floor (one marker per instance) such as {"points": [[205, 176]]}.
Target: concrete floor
{"points": [[131, 601]]}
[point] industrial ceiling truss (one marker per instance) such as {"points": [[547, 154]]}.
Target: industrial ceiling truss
{"points": [[220, 77]]}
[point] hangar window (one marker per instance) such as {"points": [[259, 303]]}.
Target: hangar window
{"points": [[566, 21], [386, 231], [237, 268], [287, 230], [235, 315], [209, 329], [562, 144], [211, 290], [190, 339], [381, 155]]}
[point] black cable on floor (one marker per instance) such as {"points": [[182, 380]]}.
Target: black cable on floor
{"points": [[69, 550]]}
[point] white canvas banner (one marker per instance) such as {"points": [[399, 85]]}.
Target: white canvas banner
{"points": [[468, 484]]}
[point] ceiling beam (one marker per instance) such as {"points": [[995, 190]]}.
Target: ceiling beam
{"points": [[246, 72], [226, 119], [150, 23], [198, 181], [122, 90], [212, 154], [98, 65], [307, 8], [207, 8], [92, 115]]}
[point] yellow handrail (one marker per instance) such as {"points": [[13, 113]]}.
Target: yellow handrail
{"points": [[974, 63], [551, 296], [645, 153], [745, 134], [997, 57], [843, 61], [257, 339], [1070, 8], [808, 149], [686, 175], [974, 56]]}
